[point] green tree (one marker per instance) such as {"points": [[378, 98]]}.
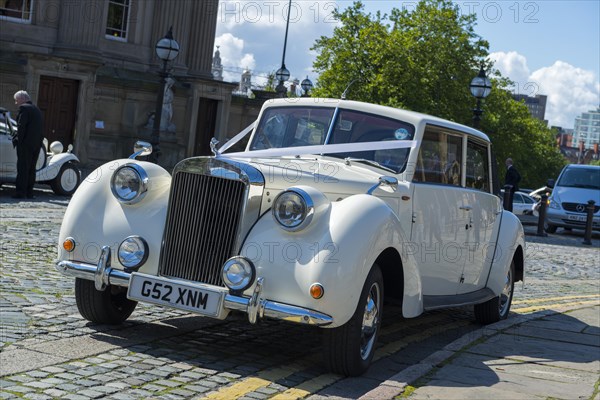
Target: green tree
{"points": [[515, 134]]}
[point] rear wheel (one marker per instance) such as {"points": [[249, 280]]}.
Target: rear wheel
{"points": [[110, 306], [67, 180], [349, 348], [497, 308]]}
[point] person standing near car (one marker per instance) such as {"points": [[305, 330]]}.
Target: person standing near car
{"points": [[28, 142], [512, 175]]}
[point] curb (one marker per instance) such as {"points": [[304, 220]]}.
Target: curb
{"points": [[396, 385]]}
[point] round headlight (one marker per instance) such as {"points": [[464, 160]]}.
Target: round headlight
{"points": [[133, 252], [238, 273], [293, 209], [129, 183]]}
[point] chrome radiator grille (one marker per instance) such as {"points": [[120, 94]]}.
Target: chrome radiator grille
{"points": [[202, 226]]}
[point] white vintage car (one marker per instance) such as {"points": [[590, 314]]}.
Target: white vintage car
{"points": [[334, 208], [59, 170]]}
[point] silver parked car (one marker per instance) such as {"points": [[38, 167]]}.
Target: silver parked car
{"points": [[567, 206]]}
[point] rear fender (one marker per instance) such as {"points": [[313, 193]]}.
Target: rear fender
{"points": [[512, 237], [52, 168]]}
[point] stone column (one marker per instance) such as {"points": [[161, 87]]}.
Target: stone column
{"points": [[176, 14], [202, 38], [82, 25]]}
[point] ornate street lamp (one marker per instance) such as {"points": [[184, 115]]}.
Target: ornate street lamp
{"points": [[306, 85], [167, 50], [480, 87], [282, 73]]}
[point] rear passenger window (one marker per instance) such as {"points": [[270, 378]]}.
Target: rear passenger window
{"points": [[478, 176], [440, 158]]}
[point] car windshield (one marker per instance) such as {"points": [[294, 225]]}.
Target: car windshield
{"points": [[588, 178], [309, 126]]}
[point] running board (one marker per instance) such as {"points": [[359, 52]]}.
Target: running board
{"points": [[457, 300]]}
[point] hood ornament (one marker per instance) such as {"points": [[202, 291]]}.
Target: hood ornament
{"points": [[213, 147]]}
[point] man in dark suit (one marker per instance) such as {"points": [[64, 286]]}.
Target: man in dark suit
{"points": [[512, 175], [29, 141]]}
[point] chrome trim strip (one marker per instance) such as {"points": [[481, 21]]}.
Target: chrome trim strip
{"points": [[275, 310], [88, 271]]}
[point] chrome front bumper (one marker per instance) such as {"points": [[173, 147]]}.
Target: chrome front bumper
{"points": [[256, 307]]}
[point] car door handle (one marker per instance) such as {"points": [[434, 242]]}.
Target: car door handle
{"points": [[466, 208]]}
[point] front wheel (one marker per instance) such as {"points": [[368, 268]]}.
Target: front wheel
{"points": [[110, 306], [67, 180], [349, 349], [497, 308]]}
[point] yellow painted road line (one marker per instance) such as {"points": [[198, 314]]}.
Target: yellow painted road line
{"points": [[251, 384], [313, 385], [308, 387], [542, 300], [527, 310], [394, 347], [411, 322]]}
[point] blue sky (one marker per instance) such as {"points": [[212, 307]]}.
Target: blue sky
{"points": [[549, 47]]}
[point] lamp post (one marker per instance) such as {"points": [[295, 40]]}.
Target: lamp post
{"points": [[480, 87], [167, 49], [307, 86], [282, 73]]}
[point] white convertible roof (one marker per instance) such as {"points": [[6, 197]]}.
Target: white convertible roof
{"points": [[412, 117]]}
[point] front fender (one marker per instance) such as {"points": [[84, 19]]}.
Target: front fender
{"points": [[95, 218], [337, 250], [50, 171], [510, 244]]}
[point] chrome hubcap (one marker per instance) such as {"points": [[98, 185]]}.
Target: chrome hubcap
{"points": [[68, 180], [506, 293], [370, 321]]}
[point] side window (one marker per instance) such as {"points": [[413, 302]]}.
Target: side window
{"points": [[517, 198], [477, 167], [20, 10], [440, 158], [117, 20]]}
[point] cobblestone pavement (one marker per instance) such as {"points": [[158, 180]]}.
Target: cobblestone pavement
{"points": [[49, 351]]}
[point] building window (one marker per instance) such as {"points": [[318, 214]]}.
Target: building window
{"points": [[117, 21], [19, 10]]}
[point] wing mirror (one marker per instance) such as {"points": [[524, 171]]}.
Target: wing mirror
{"points": [[550, 183], [141, 149]]}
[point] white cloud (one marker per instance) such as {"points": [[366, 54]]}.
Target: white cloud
{"points": [[570, 90], [511, 64], [233, 57], [263, 25]]}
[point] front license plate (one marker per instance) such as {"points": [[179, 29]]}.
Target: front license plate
{"points": [[176, 294], [580, 218]]}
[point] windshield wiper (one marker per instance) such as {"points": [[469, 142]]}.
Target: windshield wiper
{"points": [[370, 162]]}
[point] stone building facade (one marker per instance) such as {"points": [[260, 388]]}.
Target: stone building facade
{"points": [[92, 68]]}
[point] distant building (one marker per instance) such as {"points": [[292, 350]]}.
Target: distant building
{"points": [[217, 66], [587, 129], [536, 105], [246, 82], [564, 137]]}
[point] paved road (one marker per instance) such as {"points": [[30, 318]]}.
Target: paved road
{"points": [[49, 351]]}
